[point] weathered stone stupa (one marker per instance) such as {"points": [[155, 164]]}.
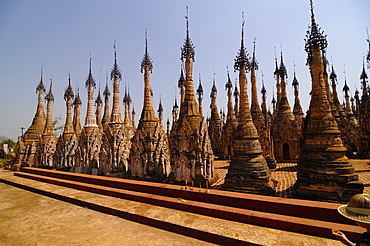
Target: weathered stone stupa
{"points": [[364, 113], [230, 126], [117, 137], [191, 151], [215, 123], [91, 136], [68, 141], [27, 144], [150, 155], [47, 145], [257, 115], [324, 172], [285, 132], [248, 171]]}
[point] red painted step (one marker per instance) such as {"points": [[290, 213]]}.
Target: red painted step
{"points": [[273, 220]]}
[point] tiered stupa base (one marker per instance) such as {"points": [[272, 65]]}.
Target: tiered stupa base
{"points": [[331, 181], [249, 176]]}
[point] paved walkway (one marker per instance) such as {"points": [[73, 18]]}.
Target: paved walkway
{"points": [[30, 219], [286, 175]]}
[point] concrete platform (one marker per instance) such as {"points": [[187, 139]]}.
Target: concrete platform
{"points": [[30, 219]]}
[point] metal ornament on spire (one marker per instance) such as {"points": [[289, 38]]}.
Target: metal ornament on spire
{"points": [[229, 84], [214, 88], [241, 59], [314, 37], [50, 96], [90, 80], [115, 70], [295, 80], [146, 62], [282, 70], [254, 62], [368, 52], [40, 86], [181, 81], [69, 91], [188, 48], [263, 90], [106, 92], [200, 87]]}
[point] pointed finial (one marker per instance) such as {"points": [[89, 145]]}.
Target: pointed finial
{"points": [[50, 97], [312, 14], [146, 62], [242, 57], [90, 80], [115, 50], [243, 23], [188, 48], [263, 90], [115, 70], [254, 63], [314, 37]]}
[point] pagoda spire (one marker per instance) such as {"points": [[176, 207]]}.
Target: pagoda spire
{"points": [[38, 123], [229, 88], [346, 89], [297, 108], [277, 77], [98, 103], [322, 161], [68, 97], [106, 94], [77, 113], [127, 102], [115, 75], [160, 111], [236, 98], [90, 120], [255, 108], [200, 96], [147, 113], [337, 107], [181, 84], [215, 123], [189, 105], [264, 102], [363, 78], [48, 130], [175, 111]]}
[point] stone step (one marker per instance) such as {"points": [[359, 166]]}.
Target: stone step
{"points": [[316, 210], [316, 227]]}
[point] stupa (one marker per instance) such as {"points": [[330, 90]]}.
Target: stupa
{"points": [[191, 152], [248, 171], [324, 172], [150, 155]]}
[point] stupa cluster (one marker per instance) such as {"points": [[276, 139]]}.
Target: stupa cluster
{"points": [[249, 135]]}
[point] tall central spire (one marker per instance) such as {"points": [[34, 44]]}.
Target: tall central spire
{"points": [[37, 127], [90, 119], [146, 68], [48, 130], [189, 105], [116, 116], [68, 97]]}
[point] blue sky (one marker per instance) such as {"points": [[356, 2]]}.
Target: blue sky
{"points": [[62, 34]]}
